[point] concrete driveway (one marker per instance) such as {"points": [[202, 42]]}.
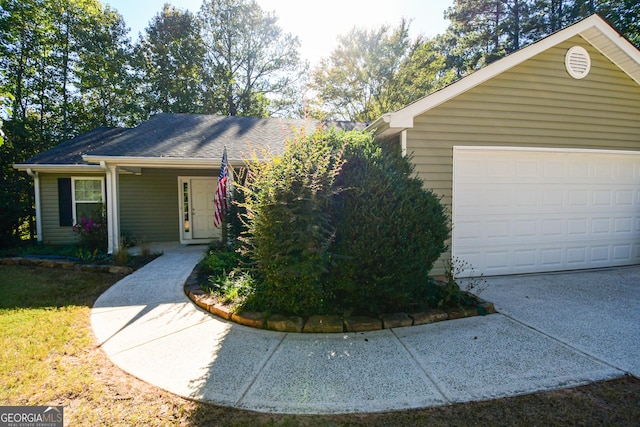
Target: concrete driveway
{"points": [[596, 312]]}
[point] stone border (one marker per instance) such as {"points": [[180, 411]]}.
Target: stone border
{"points": [[328, 323], [66, 264]]}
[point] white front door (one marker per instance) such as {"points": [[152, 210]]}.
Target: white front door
{"points": [[197, 209]]}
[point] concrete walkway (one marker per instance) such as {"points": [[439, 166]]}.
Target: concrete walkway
{"points": [[554, 331]]}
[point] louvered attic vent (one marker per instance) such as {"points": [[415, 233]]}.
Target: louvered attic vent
{"points": [[577, 62]]}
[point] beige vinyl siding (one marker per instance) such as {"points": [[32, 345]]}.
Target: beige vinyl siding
{"points": [[52, 232], [149, 207], [535, 103]]}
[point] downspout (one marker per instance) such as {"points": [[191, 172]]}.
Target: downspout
{"points": [[36, 189], [113, 211]]}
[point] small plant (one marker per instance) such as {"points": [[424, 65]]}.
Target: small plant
{"points": [[121, 255], [219, 262], [85, 255], [453, 293], [233, 289], [92, 232]]}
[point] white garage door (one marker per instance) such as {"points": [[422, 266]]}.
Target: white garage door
{"points": [[523, 211]]}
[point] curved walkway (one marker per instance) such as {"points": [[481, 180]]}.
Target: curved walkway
{"points": [[549, 335]]}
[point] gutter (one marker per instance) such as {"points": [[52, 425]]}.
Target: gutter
{"points": [[25, 167], [135, 161]]}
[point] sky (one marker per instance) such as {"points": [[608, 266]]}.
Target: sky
{"points": [[317, 23]]}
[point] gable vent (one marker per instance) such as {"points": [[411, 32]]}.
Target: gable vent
{"points": [[577, 62]]}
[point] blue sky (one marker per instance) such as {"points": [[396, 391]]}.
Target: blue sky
{"points": [[317, 24]]}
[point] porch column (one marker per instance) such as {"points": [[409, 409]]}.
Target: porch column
{"points": [[113, 206], [36, 189]]}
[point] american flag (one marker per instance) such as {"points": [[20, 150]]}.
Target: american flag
{"points": [[220, 199]]}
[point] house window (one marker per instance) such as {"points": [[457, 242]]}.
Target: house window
{"points": [[87, 197]]}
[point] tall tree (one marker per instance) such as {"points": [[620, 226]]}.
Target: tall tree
{"points": [[172, 61], [421, 73], [27, 40], [105, 75], [353, 83], [252, 66], [483, 31], [58, 64]]}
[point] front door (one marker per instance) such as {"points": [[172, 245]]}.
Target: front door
{"points": [[197, 194]]}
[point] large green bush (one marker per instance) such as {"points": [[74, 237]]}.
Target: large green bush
{"points": [[390, 231], [339, 224], [289, 228]]}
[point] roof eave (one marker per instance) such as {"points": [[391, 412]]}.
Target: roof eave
{"points": [[390, 124], [53, 168], [173, 162]]}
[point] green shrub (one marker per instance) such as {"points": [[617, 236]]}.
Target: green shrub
{"points": [[219, 261], [288, 214], [340, 224], [390, 231]]}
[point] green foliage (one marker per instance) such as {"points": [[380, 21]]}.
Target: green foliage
{"points": [[226, 279], [237, 210], [390, 231], [235, 288], [171, 55], [339, 224], [252, 67], [357, 81], [288, 204], [87, 255], [63, 69], [219, 262]]}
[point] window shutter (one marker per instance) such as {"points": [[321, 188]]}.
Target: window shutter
{"points": [[64, 202]]}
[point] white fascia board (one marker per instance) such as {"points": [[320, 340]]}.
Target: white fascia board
{"points": [[51, 168], [615, 47], [396, 124], [150, 162]]}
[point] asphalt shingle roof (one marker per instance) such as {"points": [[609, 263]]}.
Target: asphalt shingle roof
{"points": [[205, 136], [70, 152], [194, 136]]}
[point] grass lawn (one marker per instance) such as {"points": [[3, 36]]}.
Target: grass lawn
{"points": [[48, 356]]}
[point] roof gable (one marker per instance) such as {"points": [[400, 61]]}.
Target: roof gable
{"points": [[594, 29]]}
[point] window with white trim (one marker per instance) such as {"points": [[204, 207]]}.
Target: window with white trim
{"points": [[87, 197]]}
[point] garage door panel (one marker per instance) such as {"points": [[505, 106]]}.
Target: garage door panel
{"points": [[577, 257], [545, 211]]}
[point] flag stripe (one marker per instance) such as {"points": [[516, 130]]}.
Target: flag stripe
{"points": [[220, 199]]}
